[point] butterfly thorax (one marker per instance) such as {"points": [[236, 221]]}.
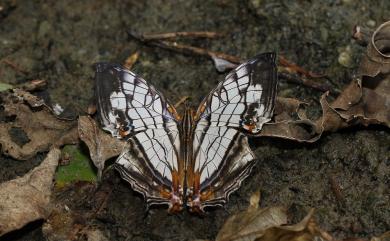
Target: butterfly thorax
{"points": [[191, 178], [186, 136]]}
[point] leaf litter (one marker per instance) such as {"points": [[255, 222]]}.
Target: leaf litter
{"points": [[43, 129], [26, 199], [364, 101]]}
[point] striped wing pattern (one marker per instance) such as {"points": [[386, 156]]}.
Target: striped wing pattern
{"points": [[220, 159], [240, 104], [132, 109]]}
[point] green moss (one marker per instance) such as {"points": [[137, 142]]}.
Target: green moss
{"points": [[80, 168], [5, 86]]}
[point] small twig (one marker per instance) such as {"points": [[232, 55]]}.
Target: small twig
{"points": [[162, 36], [284, 62], [187, 49], [306, 82], [14, 66]]}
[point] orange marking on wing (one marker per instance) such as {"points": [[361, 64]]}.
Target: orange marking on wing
{"points": [[206, 195], [173, 111], [165, 193], [200, 111], [123, 133], [250, 127]]}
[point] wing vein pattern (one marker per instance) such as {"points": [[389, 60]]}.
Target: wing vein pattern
{"points": [[132, 109]]}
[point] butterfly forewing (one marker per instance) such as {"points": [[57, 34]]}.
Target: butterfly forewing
{"points": [[132, 109], [241, 103], [245, 98]]}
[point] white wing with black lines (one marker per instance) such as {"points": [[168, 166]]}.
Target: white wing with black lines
{"points": [[240, 104], [130, 108], [245, 98]]}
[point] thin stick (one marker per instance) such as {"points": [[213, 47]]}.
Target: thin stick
{"points": [[306, 82], [197, 34], [187, 49], [286, 63], [14, 66]]}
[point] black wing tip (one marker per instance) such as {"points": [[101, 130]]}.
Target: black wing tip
{"points": [[103, 66], [268, 57]]}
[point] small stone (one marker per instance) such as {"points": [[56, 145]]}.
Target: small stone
{"points": [[371, 23], [345, 57]]}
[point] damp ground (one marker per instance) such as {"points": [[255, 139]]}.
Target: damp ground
{"points": [[60, 40]]}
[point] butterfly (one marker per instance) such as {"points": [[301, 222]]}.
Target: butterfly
{"points": [[194, 160]]}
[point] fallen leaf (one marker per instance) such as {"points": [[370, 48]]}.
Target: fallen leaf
{"points": [[383, 237], [25, 199], [365, 101], [79, 168], [251, 225], [268, 224], [102, 146], [95, 235], [5, 86], [43, 130]]}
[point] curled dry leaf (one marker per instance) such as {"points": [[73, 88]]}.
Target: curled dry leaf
{"points": [[27, 198], [41, 128], [268, 224], [364, 101], [102, 146]]}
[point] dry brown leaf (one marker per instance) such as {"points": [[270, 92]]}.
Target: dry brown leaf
{"points": [[40, 126], [102, 146], [377, 58], [251, 225], [268, 224], [383, 237], [27, 198], [60, 225], [365, 101], [287, 126]]}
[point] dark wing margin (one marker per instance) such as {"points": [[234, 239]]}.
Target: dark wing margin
{"points": [[239, 105], [131, 109], [127, 103], [245, 98]]}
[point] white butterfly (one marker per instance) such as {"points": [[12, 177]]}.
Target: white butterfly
{"points": [[195, 160]]}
